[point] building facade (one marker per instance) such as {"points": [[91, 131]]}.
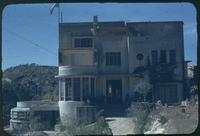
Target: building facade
{"points": [[109, 59], [21, 116]]}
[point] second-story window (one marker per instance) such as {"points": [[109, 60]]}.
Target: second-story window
{"points": [[83, 42], [154, 54], [113, 58], [172, 56], [163, 56]]}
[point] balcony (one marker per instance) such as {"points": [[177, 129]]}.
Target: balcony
{"points": [[77, 70]]}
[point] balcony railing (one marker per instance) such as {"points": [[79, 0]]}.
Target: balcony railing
{"points": [[77, 70]]}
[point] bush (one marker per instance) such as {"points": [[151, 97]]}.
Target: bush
{"points": [[143, 88], [139, 112], [100, 127]]}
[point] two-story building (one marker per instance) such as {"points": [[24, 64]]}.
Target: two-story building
{"points": [[109, 59]]}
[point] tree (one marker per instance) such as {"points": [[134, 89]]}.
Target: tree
{"points": [[143, 88], [9, 100]]}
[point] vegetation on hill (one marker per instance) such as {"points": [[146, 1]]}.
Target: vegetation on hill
{"points": [[28, 82]]}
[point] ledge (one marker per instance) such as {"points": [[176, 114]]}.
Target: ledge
{"points": [[76, 70]]}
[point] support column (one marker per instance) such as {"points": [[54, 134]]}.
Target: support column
{"points": [[72, 89], [81, 88], [64, 88], [89, 86], [60, 88], [105, 89], [95, 93]]}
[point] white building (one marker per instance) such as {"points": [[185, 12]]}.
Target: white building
{"points": [[105, 61]]}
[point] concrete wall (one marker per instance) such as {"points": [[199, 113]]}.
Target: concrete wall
{"points": [[68, 110], [139, 37], [110, 42], [67, 31], [25, 111], [78, 57], [143, 38], [114, 43], [156, 36]]}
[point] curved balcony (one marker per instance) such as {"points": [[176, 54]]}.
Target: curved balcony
{"points": [[76, 70]]}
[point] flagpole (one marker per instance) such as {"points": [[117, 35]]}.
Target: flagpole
{"points": [[58, 30], [56, 5], [58, 13]]}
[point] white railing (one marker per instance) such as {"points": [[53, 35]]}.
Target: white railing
{"points": [[76, 70]]}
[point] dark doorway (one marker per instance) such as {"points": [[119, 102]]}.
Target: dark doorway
{"points": [[114, 91]]}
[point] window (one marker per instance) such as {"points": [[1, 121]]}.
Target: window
{"points": [[77, 88], [85, 87], [140, 56], [172, 56], [163, 56], [68, 89], [113, 58], [154, 54], [83, 42], [92, 87]]}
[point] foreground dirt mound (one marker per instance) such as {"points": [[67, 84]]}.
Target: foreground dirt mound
{"points": [[121, 125], [173, 120]]}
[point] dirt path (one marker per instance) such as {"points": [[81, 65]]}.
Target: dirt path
{"points": [[121, 125]]}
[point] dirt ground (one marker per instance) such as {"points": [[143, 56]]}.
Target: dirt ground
{"points": [[177, 121], [121, 125]]}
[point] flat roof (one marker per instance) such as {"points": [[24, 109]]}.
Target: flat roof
{"points": [[117, 23], [101, 24], [147, 22]]}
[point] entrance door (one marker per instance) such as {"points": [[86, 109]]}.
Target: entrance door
{"points": [[114, 91]]}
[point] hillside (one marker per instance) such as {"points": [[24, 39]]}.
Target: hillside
{"points": [[28, 82]]}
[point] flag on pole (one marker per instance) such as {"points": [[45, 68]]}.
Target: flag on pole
{"points": [[56, 5]]}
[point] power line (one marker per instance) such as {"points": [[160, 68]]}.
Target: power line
{"points": [[30, 41]]}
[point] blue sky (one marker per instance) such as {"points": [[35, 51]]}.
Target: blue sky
{"points": [[30, 33]]}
